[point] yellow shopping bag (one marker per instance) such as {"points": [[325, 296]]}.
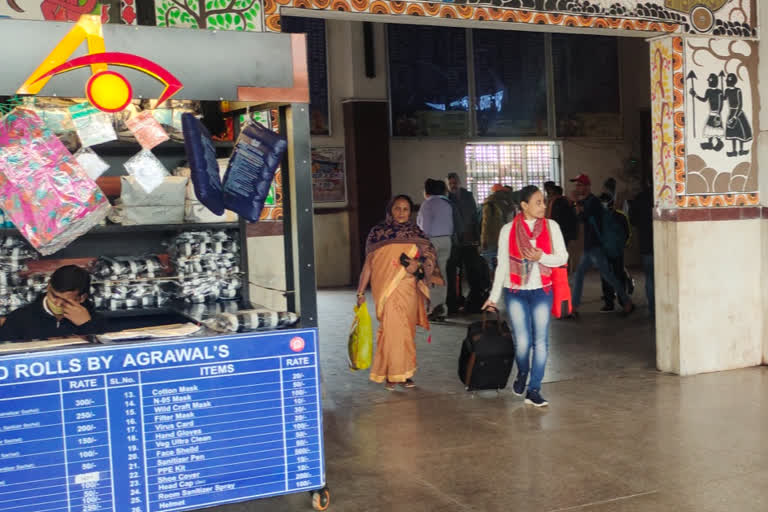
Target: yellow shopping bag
{"points": [[360, 345]]}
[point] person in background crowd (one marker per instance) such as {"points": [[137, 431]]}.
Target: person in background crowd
{"points": [[63, 311], [617, 263], [641, 216], [560, 210], [400, 265], [435, 218], [590, 213], [465, 250], [498, 209], [529, 248]]}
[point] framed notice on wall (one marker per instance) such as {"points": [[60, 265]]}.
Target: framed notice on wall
{"points": [[329, 179]]}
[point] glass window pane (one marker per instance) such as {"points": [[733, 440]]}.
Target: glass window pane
{"points": [[428, 81], [511, 83], [586, 86], [319, 118]]}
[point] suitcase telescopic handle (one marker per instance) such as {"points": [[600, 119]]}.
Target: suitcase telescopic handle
{"points": [[487, 313]]}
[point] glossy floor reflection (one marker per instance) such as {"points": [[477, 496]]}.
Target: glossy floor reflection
{"points": [[618, 437]]}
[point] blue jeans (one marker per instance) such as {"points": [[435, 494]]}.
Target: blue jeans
{"points": [[649, 284], [596, 257], [529, 313]]}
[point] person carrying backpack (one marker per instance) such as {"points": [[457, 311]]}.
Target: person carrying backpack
{"points": [[600, 241]]}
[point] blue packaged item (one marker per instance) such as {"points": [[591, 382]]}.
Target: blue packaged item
{"points": [[204, 168], [257, 156]]}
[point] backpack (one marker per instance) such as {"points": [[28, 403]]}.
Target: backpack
{"points": [[569, 223], [613, 236]]}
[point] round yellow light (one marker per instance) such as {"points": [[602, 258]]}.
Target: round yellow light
{"points": [[109, 91]]}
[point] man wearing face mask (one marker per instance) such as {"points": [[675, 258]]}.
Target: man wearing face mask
{"points": [[63, 311]]}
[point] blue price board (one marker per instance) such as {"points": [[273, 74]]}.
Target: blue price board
{"points": [[165, 426]]}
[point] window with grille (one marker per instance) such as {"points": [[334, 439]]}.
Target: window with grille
{"points": [[515, 164]]}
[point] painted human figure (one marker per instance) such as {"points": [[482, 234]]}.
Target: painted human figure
{"points": [[737, 128], [713, 129]]}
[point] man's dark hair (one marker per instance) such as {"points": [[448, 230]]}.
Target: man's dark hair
{"points": [[71, 278], [558, 190], [549, 186], [454, 176], [434, 187]]}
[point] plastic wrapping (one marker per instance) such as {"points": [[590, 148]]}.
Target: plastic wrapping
{"points": [[257, 156], [207, 266], [54, 112], [122, 268], [148, 132], [251, 320], [93, 126], [148, 171], [43, 190], [93, 165], [113, 297]]}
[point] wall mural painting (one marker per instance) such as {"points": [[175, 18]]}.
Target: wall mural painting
{"points": [[60, 10], [663, 98], [720, 112], [732, 18], [211, 14]]}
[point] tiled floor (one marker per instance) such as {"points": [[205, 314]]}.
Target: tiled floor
{"points": [[618, 437]]}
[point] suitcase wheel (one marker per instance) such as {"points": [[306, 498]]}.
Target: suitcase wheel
{"points": [[321, 499]]}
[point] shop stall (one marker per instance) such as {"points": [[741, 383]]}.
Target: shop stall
{"points": [[196, 396]]}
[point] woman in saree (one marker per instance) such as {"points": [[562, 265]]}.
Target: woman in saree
{"points": [[400, 266]]}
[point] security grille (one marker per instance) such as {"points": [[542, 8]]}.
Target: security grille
{"points": [[515, 164]]}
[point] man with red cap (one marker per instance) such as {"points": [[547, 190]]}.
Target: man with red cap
{"points": [[590, 211]]}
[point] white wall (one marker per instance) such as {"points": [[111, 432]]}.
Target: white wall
{"points": [[708, 300]]}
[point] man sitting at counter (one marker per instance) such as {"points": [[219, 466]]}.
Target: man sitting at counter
{"points": [[63, 311]]}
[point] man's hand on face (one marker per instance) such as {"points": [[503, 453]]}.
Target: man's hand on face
{"points": [[75, 312]]}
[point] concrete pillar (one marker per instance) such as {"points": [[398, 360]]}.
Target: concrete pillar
{"points": [[708, 231]]}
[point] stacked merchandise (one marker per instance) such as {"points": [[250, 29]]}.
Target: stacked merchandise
{"points": [[17, 291], [207, 266], [126, 283]]}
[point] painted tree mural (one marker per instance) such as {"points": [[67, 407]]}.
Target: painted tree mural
{"points": [[210, 14]]}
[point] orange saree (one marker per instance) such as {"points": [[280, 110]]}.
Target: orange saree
{"points": [[400, 307]]}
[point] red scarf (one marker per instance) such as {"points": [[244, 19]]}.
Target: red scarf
{"points": [[519, 238]]}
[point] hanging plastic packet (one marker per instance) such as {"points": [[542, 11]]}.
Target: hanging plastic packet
{"points": [[93, 126], [148, 132], [92, 164], [147, 170], [204, 168], [257, 156]]}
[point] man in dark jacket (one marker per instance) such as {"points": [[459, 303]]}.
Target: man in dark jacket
{"points": [[465, 255], [63, 311], [590, 212]]}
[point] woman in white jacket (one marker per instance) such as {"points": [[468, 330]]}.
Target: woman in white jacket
{"points": [[529, 248]]}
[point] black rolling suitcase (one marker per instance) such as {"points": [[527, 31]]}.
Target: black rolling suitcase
{"points": [[487, 355]]}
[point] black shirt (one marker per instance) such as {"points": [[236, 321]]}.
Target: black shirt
{"points": [[593, 212], [33, 322]]}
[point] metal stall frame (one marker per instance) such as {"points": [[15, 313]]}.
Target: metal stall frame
{"points": [[276, 77]]}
